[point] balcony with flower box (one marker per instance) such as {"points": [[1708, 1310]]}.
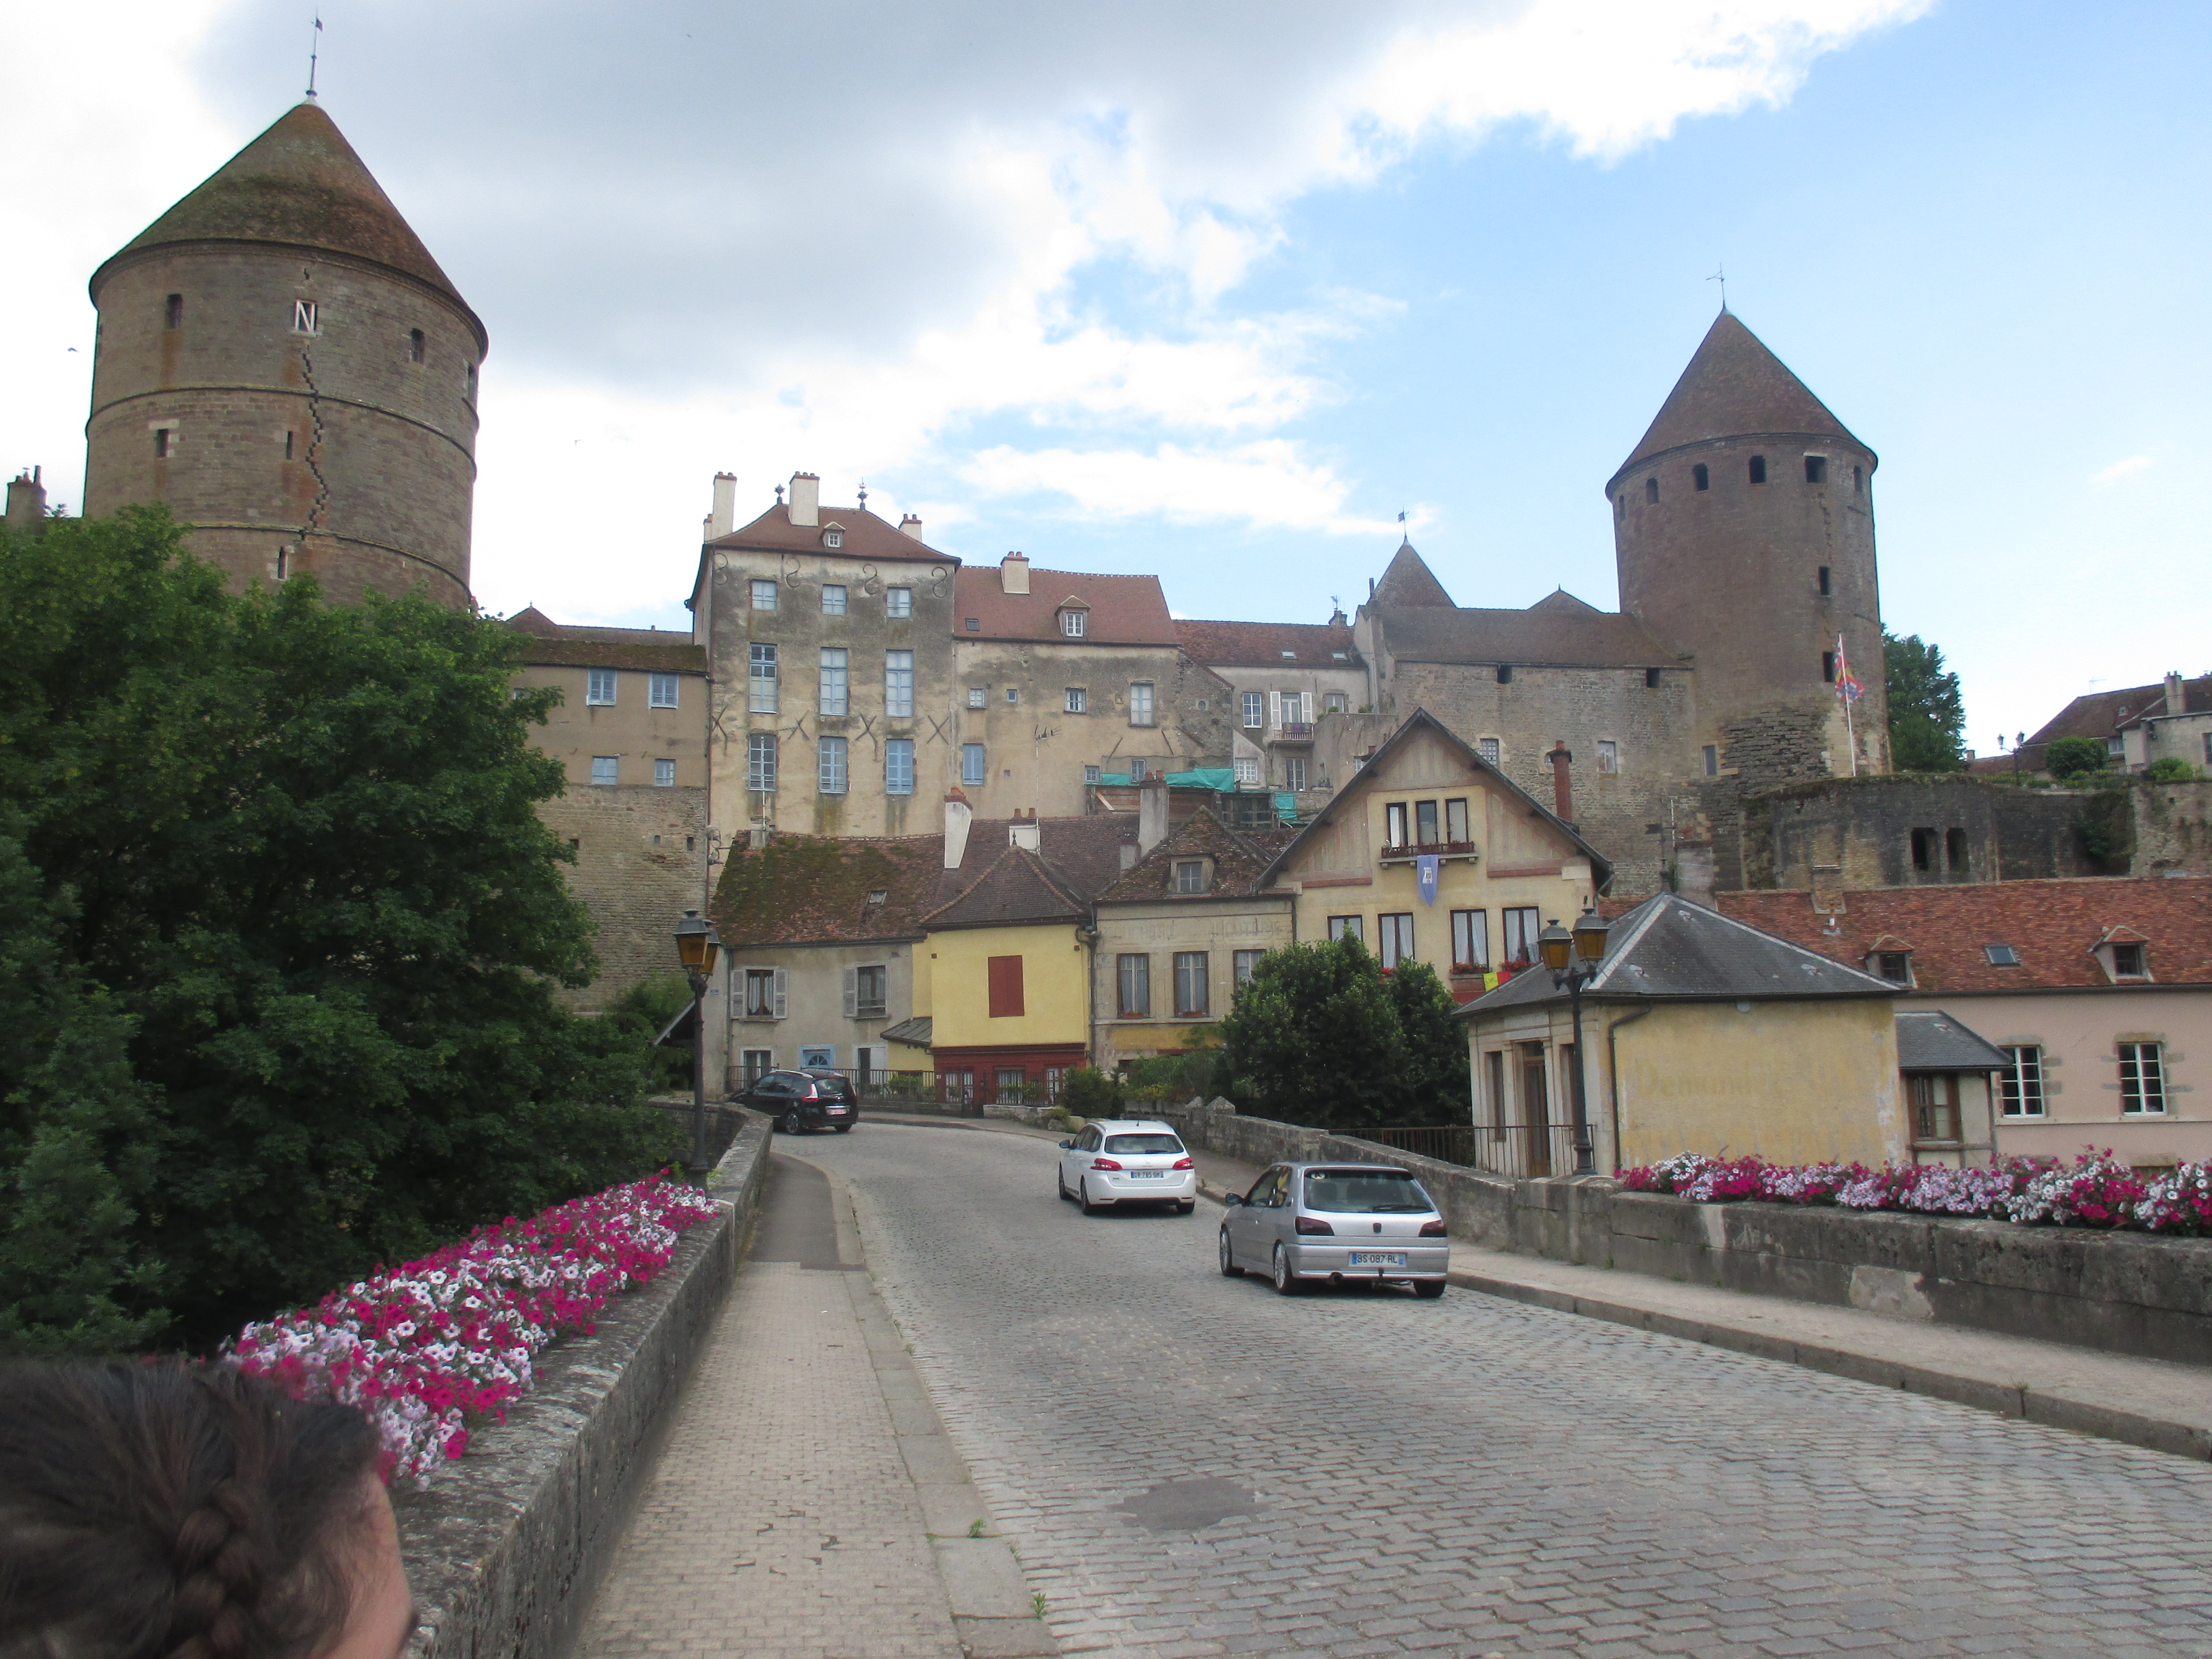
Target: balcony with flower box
{"points": [[1446, 850]]}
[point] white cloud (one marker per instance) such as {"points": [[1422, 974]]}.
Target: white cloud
{"points": [[2124, 469], [1267, 484]]}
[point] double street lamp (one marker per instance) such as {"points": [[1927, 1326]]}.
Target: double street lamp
{"points": [[697, 947], [1573, 959]]}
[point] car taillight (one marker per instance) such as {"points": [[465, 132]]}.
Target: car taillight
{"points": [[1103, 1163], [1313, 1224], [1180, 1163], [1433, 1230]]}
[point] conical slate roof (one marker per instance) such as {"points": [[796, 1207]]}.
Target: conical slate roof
{"points": [[1735, 387], [300, 184], [1409, 582]]}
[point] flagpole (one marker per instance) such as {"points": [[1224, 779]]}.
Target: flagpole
{"points": [[1843, 689]]}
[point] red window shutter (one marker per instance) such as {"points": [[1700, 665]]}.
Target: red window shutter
{"points": [[1006, 987]]}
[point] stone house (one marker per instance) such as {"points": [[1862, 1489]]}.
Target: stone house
{"points": [[1179, 931], [1702, 1034], [1285, 679], [1428, 853], [2097, 992], [2137, 724]]}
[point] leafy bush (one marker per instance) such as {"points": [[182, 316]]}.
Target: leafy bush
{"points": [[1173, 1079], [2073, 758], [2171, 769], [1090, 1093], [642, 1012]]}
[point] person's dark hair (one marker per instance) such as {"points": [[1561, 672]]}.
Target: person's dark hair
{"points": [[173, 1511]]}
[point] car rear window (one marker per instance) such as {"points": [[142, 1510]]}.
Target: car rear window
{"points": [[1143, 1144], [1365, 1192]]}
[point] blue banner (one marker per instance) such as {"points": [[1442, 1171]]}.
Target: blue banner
{"points": [[1425, 873]]}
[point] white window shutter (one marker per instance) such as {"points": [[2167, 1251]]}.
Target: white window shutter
{"points": [[782, 992], [852, 993], [1275, 710]]}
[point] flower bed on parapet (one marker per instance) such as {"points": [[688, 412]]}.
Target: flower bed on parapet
{"points": [[426, 1348], [2095, 1190]]}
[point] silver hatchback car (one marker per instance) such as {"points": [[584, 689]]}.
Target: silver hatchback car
{"points": [[1342, 1223]]}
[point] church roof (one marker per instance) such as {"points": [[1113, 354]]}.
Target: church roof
{"points": [[1734, 387], [299, 184], [1408, 581]]}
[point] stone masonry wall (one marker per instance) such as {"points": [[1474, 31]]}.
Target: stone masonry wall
{"points": [[641, 864]]}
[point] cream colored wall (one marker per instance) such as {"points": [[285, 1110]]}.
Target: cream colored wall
{"points": [[2078, 1032], [635, 734], [1340, 873], [1055, 972], [1220, 927]]}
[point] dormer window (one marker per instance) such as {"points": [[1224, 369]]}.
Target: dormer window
{"points": [[1074, 621], [879, 895], [2123, 954], [1891, 958], [2129, 962], [1192, 875], [833, 536]]}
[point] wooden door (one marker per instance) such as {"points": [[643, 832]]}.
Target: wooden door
{"points": [[1535, 1111]]}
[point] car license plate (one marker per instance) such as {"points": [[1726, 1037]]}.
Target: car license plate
{"points": [[1148, 1175], [1378, 1258], [837, 1111]]}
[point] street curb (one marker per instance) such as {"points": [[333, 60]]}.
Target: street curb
{"points": [[2004, 1400]]}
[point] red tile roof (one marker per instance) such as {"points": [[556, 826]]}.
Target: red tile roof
{"points": [[866, 535], [563, 644], [1267, 644], [2052, 925], [1124, 610], [1735, 387]]}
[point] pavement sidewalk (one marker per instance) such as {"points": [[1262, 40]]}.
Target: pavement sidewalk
{"points": [[2144, 1402]]}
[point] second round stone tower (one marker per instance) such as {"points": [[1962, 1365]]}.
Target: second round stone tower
{"points": [[1743, 530], [282, 362]]}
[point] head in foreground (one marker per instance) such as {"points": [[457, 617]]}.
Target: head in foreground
{"points": [[180, 1511]]}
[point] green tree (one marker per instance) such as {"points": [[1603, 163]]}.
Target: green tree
{"points": [[1432, 1047], [2171, 769], [309, 925], [1927, 712], [2068, 758], [643, 1011], [1089, 1093], [1314, 1038]]}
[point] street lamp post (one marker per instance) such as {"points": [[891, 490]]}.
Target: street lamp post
{"points": [[697, 946], [1573, 959]]}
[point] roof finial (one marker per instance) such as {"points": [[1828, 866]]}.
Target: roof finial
{"points": [[778, 494], [863, 494], [1404, 540], [314, 51], [1720, 275]]}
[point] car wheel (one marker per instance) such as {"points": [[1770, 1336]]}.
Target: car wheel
{"points": [[844, 1128], [1186, 1207], [1286, 1282], [1060, 1182], [1229, 1267], [1083, 1197], [1429, 1288], [785, 1127]]}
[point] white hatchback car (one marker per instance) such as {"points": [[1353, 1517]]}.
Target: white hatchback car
{"points": [[1117, 1161]]}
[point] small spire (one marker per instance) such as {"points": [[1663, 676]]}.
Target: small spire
{"points": [[1720, 275], [863, 494], [314, 51], [778, 494]]}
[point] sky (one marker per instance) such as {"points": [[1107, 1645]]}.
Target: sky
{"points": [[1218, 291]]}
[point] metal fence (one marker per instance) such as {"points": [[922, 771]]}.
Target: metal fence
{"points": [[1520, 1150]]}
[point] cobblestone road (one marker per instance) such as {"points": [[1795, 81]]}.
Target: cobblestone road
{"points": [[1373, 1475]]}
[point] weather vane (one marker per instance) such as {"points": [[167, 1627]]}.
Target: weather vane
{"points": [[314, 51], [1720, 275]]}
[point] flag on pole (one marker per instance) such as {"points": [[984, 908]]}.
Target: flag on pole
{"points": [[1846, 688]]}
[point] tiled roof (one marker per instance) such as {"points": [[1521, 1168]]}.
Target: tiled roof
{"points": [[1124, 610], [1734, 387], [1574, 638], [1239, 860], [1668, 948], [1019, 886], [813, 889], [866, 535], [2050, 925], [299, 185], [1408, 581], [1267, 644], [1929, 1039], [561, 644]]}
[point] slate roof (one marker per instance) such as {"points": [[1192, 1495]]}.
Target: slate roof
{"points": [[1240, 858], [1408, 582], [1019, 886], [299, 185], [1124, 610], [866, 535], [559, 644], [1734, 387], [1267, 644], [1929, 1039], [1545, 634], [2052, 924], [1667, 949]]}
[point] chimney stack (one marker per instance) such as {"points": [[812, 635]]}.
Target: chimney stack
{"points": [[1023, 832], [1128, 855], [1563, 789], [2176, 696], [1014, 573], [912, 526], [957, 817], [1151, 813], [723, 519], [27, 500], [805, 499]]}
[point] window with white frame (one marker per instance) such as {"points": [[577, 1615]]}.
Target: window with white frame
{"points": [[1013, 693], [1247, 769], [2143, 1079], [758, 1063], [1255, 710], [1092, 773], [766, 994], [1140, 703], [1190, 876], [1078, 699], [829, 765], [1455, 821], [833, 598], [661, 691], [1470, 940], [664, 774], [898, 766], [606, 770], [760, 762], [1608, 756], [1247, 963], [898, 684], [762, 680], [833, 690], [764, 595], [1132, 975], [1488, 750], [2019, 1086], [979, 696], [1074, 623], [974, 769], [599, 687], [1295, 709], [1190, 985], [1334, 703], [898, 601], [1294, 771], [1397, 941], [306, 317]]}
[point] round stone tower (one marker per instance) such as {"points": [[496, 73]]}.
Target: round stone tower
{"points": [[282, 362], [1743, 530]]}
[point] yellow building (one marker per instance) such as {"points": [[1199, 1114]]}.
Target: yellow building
{"points": [[1430, 854], [1704, 1035]]}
